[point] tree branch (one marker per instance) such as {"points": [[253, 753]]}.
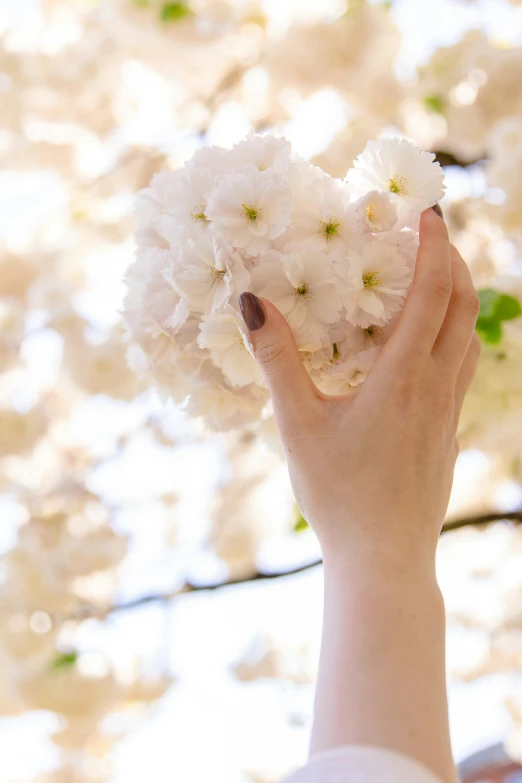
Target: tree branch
{"points": [[262, 576], [448, 159]]}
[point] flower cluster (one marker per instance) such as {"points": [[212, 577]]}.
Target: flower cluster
{"points": [[336, 257]]}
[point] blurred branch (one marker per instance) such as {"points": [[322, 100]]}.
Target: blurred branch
{"points": [[261, 576], [448, 159]]}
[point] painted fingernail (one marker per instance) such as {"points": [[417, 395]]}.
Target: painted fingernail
{"points": [[437, 208], [252, 310]]}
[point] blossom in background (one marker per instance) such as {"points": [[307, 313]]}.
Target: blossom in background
{"points": [[303, 288], [373, 284], [250, 208], [20, 431], [223, 333], [11, 330], [396, 166]]}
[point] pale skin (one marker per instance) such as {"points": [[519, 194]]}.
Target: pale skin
{"points": [[372, 473]]}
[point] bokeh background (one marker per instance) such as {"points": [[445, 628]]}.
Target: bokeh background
{"points": [[125, 653]]}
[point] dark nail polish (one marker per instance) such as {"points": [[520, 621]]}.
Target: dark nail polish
{"points": [[252, 310], [437, 208]]}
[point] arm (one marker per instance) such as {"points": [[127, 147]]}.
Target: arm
{"points": [[372, 473], [382, 676]]}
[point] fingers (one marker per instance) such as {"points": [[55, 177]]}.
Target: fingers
{"points": [[459, 324], [427, 302], [466, 373], [290, 386]]}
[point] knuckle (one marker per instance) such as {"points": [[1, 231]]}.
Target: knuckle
{"points": [[271, 354], [438, 284], [471, 304]]}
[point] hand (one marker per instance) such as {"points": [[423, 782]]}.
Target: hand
{"points": [[372, 470]]}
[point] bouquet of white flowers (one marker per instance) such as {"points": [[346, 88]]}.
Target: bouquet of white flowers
{"points": [[336, 257]]}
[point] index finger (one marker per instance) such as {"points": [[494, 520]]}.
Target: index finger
{"points": [[425, 308]]}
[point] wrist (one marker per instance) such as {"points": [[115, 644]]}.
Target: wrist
{"points": [[355, 566]]}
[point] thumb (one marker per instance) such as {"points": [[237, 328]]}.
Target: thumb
{"points": [[276, 352]]}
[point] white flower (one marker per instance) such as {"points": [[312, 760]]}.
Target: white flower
{"points": [[210, 158], [405, 242], [151, 305], [261, 151], [344, 375], [374, 283], [206, 273], [318, 360], [323, 219], [250, 209], [150, 203], [223, 334], [336, 258], [223, 407], [185, 204], [377, 211], [302, 287], [398, 167], [360, 338]]}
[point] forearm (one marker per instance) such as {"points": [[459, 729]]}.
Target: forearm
{"points": [[382, 669]]}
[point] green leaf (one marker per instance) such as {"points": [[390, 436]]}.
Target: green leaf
{"points": [[507, 308], [141, 3], [301, 524], [495, 308], [173, 12], [489, 330], [487, 298], [434, 103], [64, 660], [500, 307]]}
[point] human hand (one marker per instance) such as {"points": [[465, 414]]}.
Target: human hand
{"points": [[372, 470]]}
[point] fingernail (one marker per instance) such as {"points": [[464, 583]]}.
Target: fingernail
{"points": [[252, 310], [437, 208]]}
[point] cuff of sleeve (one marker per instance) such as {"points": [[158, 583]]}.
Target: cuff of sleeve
{"points": [[360, 764]]}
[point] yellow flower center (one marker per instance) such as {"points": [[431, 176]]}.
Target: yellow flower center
{"points": [[371, 280], [199, 215], [369, 213], [398, 185], [217, 275], [330, 229], [250, 212]]}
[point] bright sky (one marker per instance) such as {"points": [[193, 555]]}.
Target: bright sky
{"points": [[210, 725]]}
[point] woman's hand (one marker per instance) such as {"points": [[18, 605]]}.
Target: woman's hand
{"points": [[372, 471]]}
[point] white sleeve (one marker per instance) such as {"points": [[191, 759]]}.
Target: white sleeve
{"points": [[360, 764]]}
